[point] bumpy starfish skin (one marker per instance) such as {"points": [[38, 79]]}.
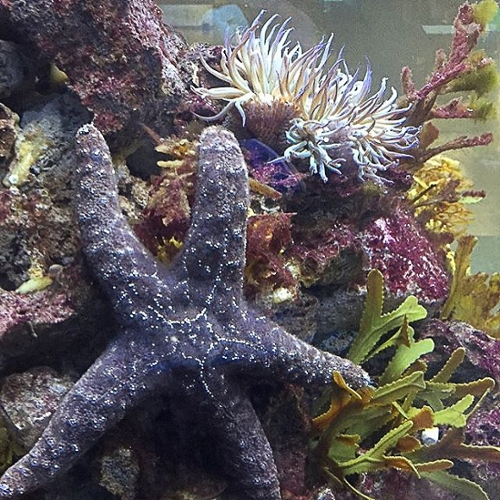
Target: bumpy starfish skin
{"points": [[184, 331]]}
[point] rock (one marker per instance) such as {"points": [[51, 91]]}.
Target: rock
{"points": [[120, 471], [27, 401], [119, 57], [13, 69]]}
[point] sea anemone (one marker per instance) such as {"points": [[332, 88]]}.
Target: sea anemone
{"points": [[268, 81], [264, 68], [320, 112], [341, 114]]}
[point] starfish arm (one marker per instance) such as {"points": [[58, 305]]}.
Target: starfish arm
{"points": [[292, 360], [248, 457], [213, 261], [117, 381], [127, 272]]}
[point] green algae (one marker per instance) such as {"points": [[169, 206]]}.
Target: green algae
{"points": [[372, 429]]}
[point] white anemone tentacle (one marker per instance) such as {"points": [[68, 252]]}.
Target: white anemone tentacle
{"points": [[333, 108]]}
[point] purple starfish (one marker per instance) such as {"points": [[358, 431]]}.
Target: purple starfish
{"points": [[184, 331]]}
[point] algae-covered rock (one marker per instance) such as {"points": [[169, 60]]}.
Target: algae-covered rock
{"points": [[27, 401]]}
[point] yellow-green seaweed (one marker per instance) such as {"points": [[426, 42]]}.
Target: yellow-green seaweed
{"points": [[473, 298], [371, 429], [485, 12], [481, 80]]}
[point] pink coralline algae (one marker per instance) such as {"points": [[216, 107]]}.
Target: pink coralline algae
{"points": [[463, 68], [335, 250], [397, 246], [484, 429], [27, 311], [50, 320], [465, 37], [34, 322]]}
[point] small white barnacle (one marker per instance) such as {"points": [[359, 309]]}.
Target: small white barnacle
{"points": [[430, 436]]}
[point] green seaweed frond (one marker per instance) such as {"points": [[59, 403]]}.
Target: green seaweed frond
{"points": [[440, 196], [371, 429], [483, 108], [473, 298], [481, 79], [485, 12], [375, 324]]}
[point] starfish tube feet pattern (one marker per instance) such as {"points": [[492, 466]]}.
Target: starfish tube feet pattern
{"points": [[185, 331]]}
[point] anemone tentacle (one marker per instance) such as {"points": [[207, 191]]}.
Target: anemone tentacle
{"points": [[331, 108]]}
